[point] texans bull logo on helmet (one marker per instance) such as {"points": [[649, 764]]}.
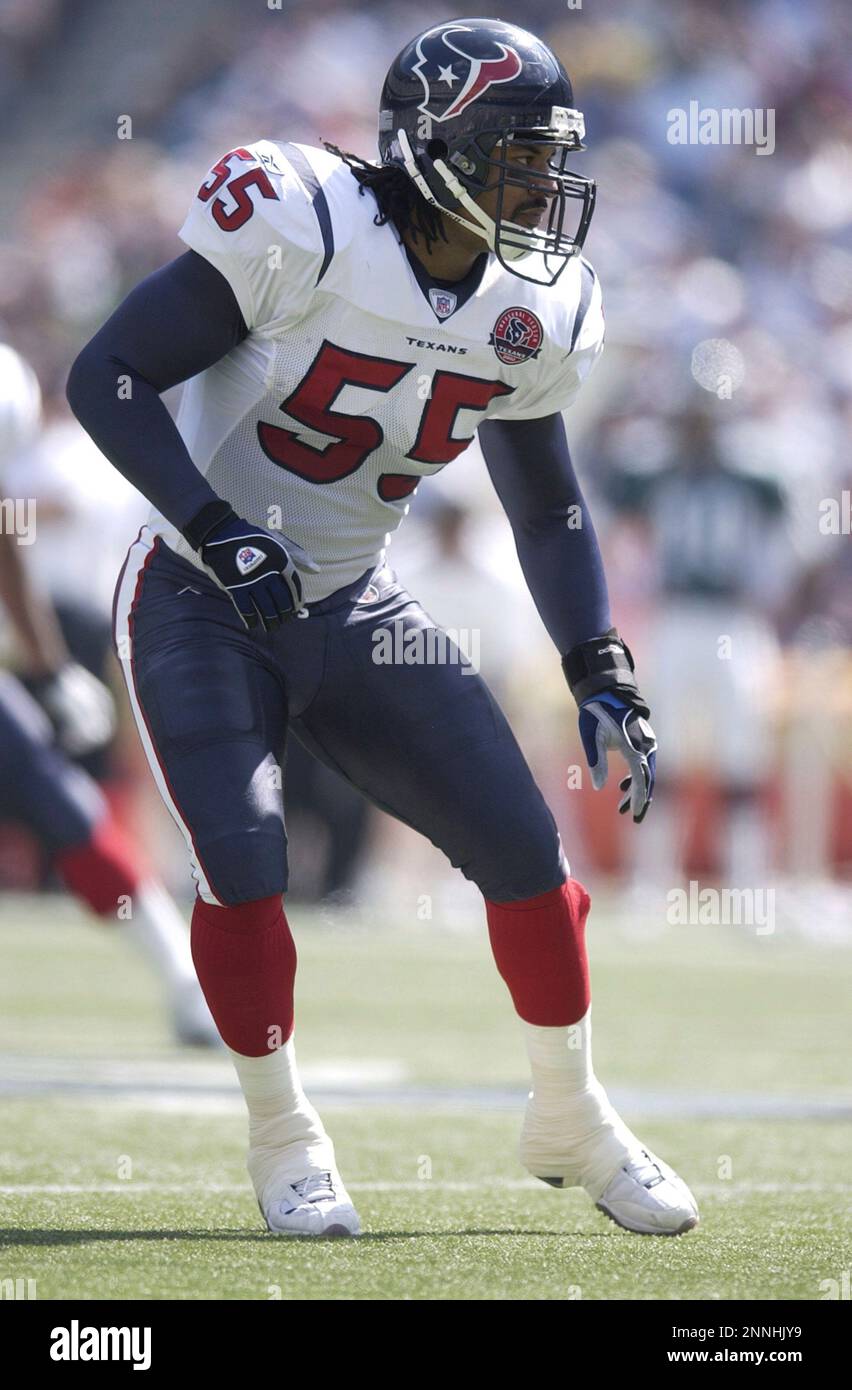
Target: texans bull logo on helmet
{"points": [[443, 63], [455, 101]]}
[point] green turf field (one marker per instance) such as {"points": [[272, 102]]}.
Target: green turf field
{"points": [[121, 1157]]}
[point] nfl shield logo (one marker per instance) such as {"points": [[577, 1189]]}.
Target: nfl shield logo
{"points": [[443, 302]]}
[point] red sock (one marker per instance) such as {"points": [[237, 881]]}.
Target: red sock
{"points": [[101, 871], [245, 958], [540, 949]]}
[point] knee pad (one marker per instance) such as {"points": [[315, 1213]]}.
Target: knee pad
{"points": [[243, 867], [520, 861]]}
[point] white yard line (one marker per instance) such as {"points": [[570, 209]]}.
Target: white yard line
{"points": [[212, 1072], [207, 1086], [71, 1189]]}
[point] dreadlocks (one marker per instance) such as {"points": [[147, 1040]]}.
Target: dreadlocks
{"points": [[398, 199]]}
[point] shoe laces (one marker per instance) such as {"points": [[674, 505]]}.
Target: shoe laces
{"points": [[317, 1187], [644, 1170]]}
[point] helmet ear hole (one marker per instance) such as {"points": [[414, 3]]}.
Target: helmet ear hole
{"points": [[437, 149]]}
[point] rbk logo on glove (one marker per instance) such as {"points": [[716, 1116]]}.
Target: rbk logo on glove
{"points": [[248, 559], [256, 568]]}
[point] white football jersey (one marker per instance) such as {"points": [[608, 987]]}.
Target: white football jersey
{"points": [[355, 382], [20, 407]]}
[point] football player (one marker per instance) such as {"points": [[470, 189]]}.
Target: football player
{"points": [[344, 329], [67, 713], [724, 563]]}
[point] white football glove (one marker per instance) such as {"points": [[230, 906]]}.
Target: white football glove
{"points": [[607, 720], [80, 708]]}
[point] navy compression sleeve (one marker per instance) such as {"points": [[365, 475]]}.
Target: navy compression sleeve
{"points": [[531, 470], [178, 322]]}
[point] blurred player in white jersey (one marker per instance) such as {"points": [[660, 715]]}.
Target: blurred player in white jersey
{"points": [[69, 714]]}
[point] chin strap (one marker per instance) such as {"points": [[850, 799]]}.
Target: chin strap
{"points": [[483, 225], [513, 251], [413, 170]]}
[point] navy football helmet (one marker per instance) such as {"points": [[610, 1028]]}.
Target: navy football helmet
{"points": [[453, 101]]}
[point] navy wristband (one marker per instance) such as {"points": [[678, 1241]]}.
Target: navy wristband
{"points": [[211, 515]]}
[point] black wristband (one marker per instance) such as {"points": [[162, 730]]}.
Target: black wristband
{"points": [[602, 663], [211, 515]]}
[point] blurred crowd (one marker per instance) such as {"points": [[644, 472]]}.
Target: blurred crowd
{"points": [[727, 283]]}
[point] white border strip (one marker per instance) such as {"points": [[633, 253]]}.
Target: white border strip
{"points": [[137, 557]]}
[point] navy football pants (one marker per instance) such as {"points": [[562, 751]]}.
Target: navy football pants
{"points": [[39, 787], [424, 741]]}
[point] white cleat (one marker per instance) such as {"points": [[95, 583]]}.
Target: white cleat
{"points": [[590, 1146], [316, 1204], [648, 1197]]}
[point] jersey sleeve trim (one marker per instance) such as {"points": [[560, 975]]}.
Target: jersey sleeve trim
{"points": [[228, 267], [586, 291], [316, 195]]}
